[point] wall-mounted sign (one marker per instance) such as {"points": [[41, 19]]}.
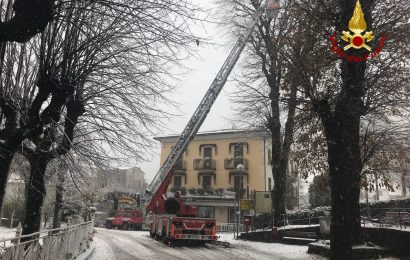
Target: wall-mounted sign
{"points": [[246, 204], [126, 200]]}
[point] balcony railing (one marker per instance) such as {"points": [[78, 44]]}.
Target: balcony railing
{"points": [[233, 162], [204, 164], [180, 165]]}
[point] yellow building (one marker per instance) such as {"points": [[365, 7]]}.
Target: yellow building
{"points": [[208, 174]]}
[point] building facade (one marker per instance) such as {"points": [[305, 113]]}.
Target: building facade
{"points": [[218, 165], [130, 180]]}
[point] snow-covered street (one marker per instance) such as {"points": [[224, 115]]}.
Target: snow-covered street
{"points": [[124, 245]]}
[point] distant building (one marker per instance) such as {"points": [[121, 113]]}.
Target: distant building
{"points": [[400, 183], [399, 177], [208, 173], [131, 180]]}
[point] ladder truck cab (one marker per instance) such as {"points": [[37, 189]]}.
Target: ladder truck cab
{"points": [[125, 219], [172, 219]]}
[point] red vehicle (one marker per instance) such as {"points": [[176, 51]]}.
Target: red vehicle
{"points": [[125, 220], [172, 219], [181, 225], [182, 230]]}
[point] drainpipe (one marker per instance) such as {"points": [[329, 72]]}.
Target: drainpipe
{"points": [[264, 162]]}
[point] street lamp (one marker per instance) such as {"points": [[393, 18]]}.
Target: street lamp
{"points": [[240, 167]]}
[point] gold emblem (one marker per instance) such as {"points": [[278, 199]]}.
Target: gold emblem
{"points": [[357, 25]]}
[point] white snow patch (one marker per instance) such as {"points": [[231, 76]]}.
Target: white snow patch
{"points": [[102, 250], [7, 233], [274, 249]]}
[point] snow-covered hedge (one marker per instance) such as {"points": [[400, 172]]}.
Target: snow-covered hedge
{"points": [[293, 217], [399, 203], [306, 216]]}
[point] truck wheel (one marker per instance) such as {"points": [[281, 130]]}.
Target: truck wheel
{"points": [[108, 225], [151, 234], [125, 226], [164, 235]]}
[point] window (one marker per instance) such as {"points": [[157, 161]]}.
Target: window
{"points": [[206, 181], [270, 184], [207, 152], [269, 157], [206, 212], [232, 217], [178, 164], [238, 150], [177, 181]]}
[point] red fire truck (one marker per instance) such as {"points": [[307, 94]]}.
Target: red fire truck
{"points": [[180, 224], [176, 222], [125, 219], [173, 220]]}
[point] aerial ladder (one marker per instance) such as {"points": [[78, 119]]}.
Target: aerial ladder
{"points": [[159, 185]]}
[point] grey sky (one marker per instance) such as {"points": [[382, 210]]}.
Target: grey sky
{"points": [[193, 86]]}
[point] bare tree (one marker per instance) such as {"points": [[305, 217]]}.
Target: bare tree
{"points": [[341, 92], [23, 19], [266, 96], [24, 97], [108, 74]]}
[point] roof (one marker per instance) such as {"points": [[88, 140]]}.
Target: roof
{"points": [[224, 133]]}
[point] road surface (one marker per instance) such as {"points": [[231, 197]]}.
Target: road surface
{"points": [[129, 245]]}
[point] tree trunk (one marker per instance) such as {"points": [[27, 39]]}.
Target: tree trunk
{"points": [[58, 199], [403, 184], [278, 197], [5, 162], [279, 176], [36, 192], [345, 189], [342, 130], [281, 150], [57, 208]]}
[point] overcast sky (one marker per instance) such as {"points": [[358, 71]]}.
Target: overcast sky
{"points": [[192, 87]]}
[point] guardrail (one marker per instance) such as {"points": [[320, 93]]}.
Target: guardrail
{"points": [[229, 227], [387, 217], [60, 243]]}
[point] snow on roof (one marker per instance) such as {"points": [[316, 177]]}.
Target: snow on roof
{"points": [[245, 132]]}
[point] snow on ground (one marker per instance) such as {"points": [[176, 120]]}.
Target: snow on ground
{"points": [[7, 233], [125, 245], [129, 245], [283, 251], [102, 250]]}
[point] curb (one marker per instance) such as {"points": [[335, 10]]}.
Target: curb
{"points": [[87, 254]]}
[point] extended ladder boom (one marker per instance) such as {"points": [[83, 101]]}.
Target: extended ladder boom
{"points": [[203, 109]]}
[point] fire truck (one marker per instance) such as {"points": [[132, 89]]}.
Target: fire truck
{"points": [[172, 219], [181, 225], [128, 213], [125, 220]]}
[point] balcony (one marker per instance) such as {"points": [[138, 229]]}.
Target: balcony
{"points": [[180, 167], [204, 164], [233, 162]]}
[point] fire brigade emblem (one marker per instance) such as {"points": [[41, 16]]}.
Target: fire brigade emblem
{"points": [[358, 26]]}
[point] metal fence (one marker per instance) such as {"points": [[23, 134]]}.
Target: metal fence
{"points": [[387, 217], [375, 217], [61, 243], [308, 220], [229, 227]]}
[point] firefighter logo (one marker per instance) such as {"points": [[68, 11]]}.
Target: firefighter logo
{"points": [[358, 26]]}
